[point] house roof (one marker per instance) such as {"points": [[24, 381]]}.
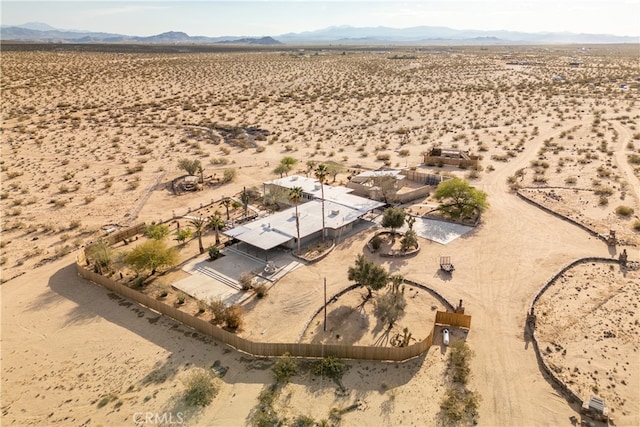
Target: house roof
{"points": [[279, 228], [336, 194], [397, 174]]}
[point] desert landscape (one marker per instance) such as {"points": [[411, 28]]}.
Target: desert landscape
{"points": [[91, 142]]}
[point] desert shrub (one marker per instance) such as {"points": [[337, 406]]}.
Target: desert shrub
{"points": [[60, 203], [604, 191], [200, 389], [409, 240], [246, 280], [214, 253], [303, 421], [459, 405], [624, 211], [603, 201], [202, 306], [376, 242], [217, 308], [330, 367], [285, 368], [181, 298], [265, 418], [459, 359], [229, 175], [260, 290], [106, 399], [634, 159], [570, 180], [233, 317], [636, 225]]}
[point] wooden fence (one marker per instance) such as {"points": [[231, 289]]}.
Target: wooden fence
{"points": [[274, 349], [453, 319], [115, 237]]}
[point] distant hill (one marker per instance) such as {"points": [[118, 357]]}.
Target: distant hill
{"points": [[40, 32], [441, 35]]}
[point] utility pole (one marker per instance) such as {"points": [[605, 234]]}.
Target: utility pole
{"points": [[325, 304]]}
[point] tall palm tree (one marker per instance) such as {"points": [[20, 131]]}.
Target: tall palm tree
{"points": [[198, 224], [321, 174], [216, 223], [295, 195]]}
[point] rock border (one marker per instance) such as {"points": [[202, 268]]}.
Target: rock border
{"points": [[530, 327], [392, 254], [349, 288], [589, 230]]}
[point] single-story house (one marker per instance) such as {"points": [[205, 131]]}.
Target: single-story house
{"points": [[341, 212]]}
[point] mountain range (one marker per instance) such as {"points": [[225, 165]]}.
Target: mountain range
{"points": [[347, 35]]}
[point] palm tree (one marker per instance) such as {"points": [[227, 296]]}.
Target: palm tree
{"points": [[226, 203], [295, 195], [216, 223], [321, 174], [198, 224]]}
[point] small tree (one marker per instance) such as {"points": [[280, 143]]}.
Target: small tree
{"points": [[387, 185], [191, 167], [285, 166], [226, 203], [156, 231], [183, 234], [390, 307], [200, 389], [368, 274], [151, 255], [393, 218], [459, 199], [281, 170], [295, 195], [334, 169]]}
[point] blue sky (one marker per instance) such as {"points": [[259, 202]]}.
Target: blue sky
{"points": [[266, 17]]}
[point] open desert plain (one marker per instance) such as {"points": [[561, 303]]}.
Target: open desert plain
{"points": [[92, 137]]}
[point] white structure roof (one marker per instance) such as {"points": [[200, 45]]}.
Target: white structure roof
{"points": [[336, 194], [374, 174], [340, 207]]}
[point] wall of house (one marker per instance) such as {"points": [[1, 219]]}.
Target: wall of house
{"points": [[437, 160]]}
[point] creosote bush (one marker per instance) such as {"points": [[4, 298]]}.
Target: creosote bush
{"points": [[624, 211], [200, 389], [285, 368]]}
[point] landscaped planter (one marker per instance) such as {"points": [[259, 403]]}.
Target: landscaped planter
{"points": [[393, 253]]}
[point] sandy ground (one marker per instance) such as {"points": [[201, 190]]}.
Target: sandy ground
{"points": [[92, 139]]}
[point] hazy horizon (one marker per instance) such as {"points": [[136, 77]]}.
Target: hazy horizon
{"points": [[272, 18]]}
